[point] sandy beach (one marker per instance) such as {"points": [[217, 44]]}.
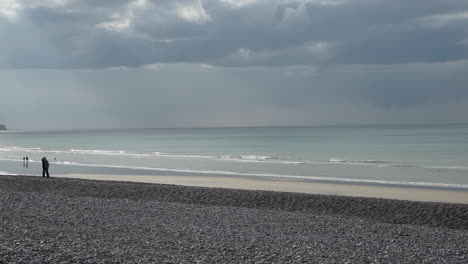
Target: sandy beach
{"points": [[81, 221], [268, 184]]}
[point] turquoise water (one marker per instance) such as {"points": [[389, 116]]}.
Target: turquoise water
{"points": [[426, 155]]}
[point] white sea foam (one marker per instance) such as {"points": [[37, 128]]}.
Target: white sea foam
{"points": [[253, 157], [447, 167], [18, 159], [240, 158], [30, 150], [151, 154], [187, 156], [332, 160], [272, 175], [233, 158], [11, 159], [262, 159], [66, 162], [19, 149], [98, 151]]}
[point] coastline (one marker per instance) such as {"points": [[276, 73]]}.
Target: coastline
{"points": [[409, 193]]}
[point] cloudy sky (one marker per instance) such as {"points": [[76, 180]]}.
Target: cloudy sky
{"points": [[179, 63]]}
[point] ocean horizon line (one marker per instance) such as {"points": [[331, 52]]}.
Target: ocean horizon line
{"points": [[227, 127]]}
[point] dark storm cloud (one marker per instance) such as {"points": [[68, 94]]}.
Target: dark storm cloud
{"points": [[96, 34], [171, 63]]}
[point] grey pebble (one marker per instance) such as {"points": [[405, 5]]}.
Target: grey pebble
{"points": [[77, 221]]}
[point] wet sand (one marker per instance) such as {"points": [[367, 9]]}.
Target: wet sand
{"points": [[269, 184]]}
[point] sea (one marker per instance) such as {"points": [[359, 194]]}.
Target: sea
{"points": [[428, 156]]}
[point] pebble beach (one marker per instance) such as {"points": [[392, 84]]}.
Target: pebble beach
{"points": [[85, 221]]}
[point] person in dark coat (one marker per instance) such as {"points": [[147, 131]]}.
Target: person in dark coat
{"points": [[45, 167]]}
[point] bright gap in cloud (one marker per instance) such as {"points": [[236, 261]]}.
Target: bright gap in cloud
{"points": [[10, 8], [116, 25], [195, 13], [443, 19], [238, 3]]}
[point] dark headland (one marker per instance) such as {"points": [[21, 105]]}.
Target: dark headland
{"points": [[82, 221], [3, 127]]}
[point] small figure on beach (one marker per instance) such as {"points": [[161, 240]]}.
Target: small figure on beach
{"points": [[45, 167], [27, 162], [24, 162]]}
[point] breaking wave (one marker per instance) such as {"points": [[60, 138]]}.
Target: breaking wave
{"points": [[13, 154]]}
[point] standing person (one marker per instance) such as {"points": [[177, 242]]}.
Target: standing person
{"points": [[24, 162], [27, 162], [45, 167]]}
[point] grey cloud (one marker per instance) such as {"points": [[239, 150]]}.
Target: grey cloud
{"points": [[118, 63], [274, 32], [170, 95]]}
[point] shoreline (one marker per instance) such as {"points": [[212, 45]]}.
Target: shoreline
{"points": [[409, 193]]}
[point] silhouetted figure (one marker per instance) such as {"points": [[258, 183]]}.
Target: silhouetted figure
{"points": [[24, 162], [45, 167], [27, 162]]}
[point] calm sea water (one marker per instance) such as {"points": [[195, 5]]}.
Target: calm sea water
{"points": [[426, 155]]}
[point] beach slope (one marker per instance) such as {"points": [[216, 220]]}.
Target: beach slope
{"points": [[77, 221]]}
